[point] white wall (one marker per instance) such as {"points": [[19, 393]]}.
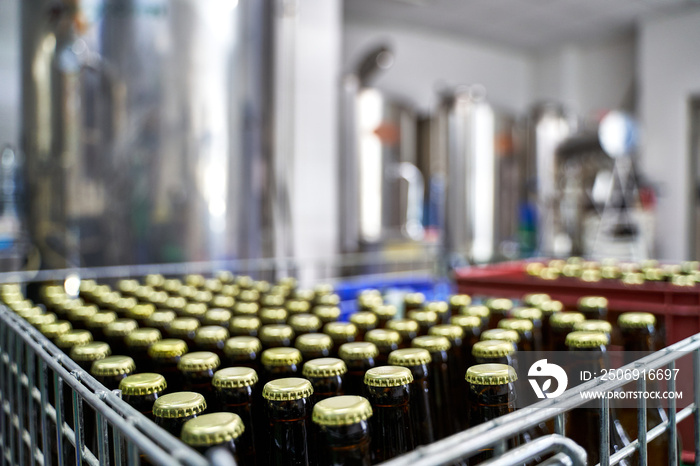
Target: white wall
{"points": [[424, 59], [9, 73], [669, 73]]}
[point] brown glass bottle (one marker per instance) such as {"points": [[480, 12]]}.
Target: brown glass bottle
{"points": [[342, 425], [413, 302], [389, 394], [593, 307], [211, 338], [386, 341], [79, 315], [116, 332], [535, 299], [457, 365], [407, 328], [288, 408], [97, 323], [495, 352], [54, 330], [276, 336], [417, 360], [314, 345], [216, 435], [111, 370], [165, 356], [384, 313], [326, 376], [599, 326], [440, 308], [561, 324], [340, 333], [425, 319], [534, 315], [499, 309], [278, 363], [458, 302], [138, 342], [183, 328], [243, 351], [549, 308], [85, 355], [72, 338], [161, 320], [480, 311], [525, 328], [142, 390], [359, 357], [171, 411], [244, 326], [471, 328], [445, 423], [368, 302], [303, 324], [364, 321], [197, 370]]}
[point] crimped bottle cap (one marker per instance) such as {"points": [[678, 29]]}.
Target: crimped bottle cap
{"points": [[203, 297], [591, 275], [385, 311], [143, 384], [242, 345], [369, 301], [194, 310], [171, 285], [566, 319], [280, 290], [161, 319], [304, 323], [90, 352], [636, 320], [383, 338], [344, 410], [196, 280], [244, 281], [141, 311], [600, 326], [324, 367], [121, 327], [327, 313], [212, 429], [210, 334], [529, 313], [323, 289], [230, 289], [416, 299], [501, 334], [409, 357], [82, 313], [245, 309], [492, 349], [181, 326], [225, 276], [423, 316], [460, 300], [499, 305], [154, 279], [55, 329], [592, 302], [491, 374], [275, 357], [431, 343], [479, 310], [217, 316], [313, 341], [451, 332], [158, 297], [358, 350], [261, 286], [586, 339], [73, 338], [534, 268], [143, 337], [466, 321], [234, 377], [633, 278], [175, 303], [187, 291], [438, 307], [552, 306], [288, 282], [303, 294], [297, 306], [101, 319], [340, 329], [405, 327], [388, 376], [327, 300], [519, 325], [113, 365], [364, 319], [275, 333], [535, 299], [272, 315], [168, 348], [27, 312], [42, 319], [179, 405], [223, 302], [287, 389], [244, 323], [272, 300], [198, 361], [248, 296], [549, 273]]}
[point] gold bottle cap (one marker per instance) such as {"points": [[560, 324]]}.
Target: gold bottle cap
{"points": [[287, 389], [328, 300], [168, 348], [210, 334], [244, 282], [388, 376], [492, 349], [234, 377], [324, 367], [224, 276], [592, 303], [689, 266], [364, 320], [247, 323], [198, 361], [273, 315], [55, 329], [262, 286], [303, 294], [113, 365], [529, 313], [340, 329], [121, 327], [195, 280], [143, 337], [203, 297], [423, 317], [297, 306], [242, 345], [557, 264], [383, 338], [143, 384], [83, 313], [305, 323], [327, 313], [572, 270], [409, 357], [212, 429], [358, 350], [42, 319], [73, 338], [431, 343], [438, 307], [101, 319], [405, 327], [460, 300], [182, 326], [272, 300], [88, 286], [369, 292], [480, 311], [549, 273], [344, 410], [415, 299], [491, 374], [552, 306], [683, 280], [187, 291], [275, 357], [451, 332], [248, 296], [158, 297], [385, 311], [519, 325], [633, 278], [141, 311], [245, 309], [280, 290], [499, 305], [463, 321], [535, 299], [217, 316], [154, 279], [171, 285], [586, 339], [566, 319], [288, 282], [600, 326], [109, 300], [276, 333], [223, 302], [591, 275], [501, 334], [175, 303], [369, 301], [636, 320], [314, 342], [124, 304], [534, 269], [90, 352], [161, 319], [230, 290], [610, 271], [143, 292], [179, 405], [196, 310], [27, 312], [323, 289], [25, 307]]}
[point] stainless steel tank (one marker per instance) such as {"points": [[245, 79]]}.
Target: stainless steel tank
{"points": [[148, 130]]}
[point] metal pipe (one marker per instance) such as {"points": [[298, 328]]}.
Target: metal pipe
{"points": [[538, 447], [642, 420]]}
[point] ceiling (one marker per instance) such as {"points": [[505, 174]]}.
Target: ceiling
{"points": [[525, 24]]}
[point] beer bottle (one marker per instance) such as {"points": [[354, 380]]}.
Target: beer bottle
{"points": [[501, 334], [471, 328], [494, 352], [243, 351], [599, 326], [288, 282], [534, 315], [116, 332], [525, 328], [297, 306], [458, 302], [413, 302], [272, 316], [72, 338], [491, 394], [303, 295], [231, 290], [549, 308], [233, 389], [42, 319], [138, 342], [127, 286], [184, 328], [195, 279], [440, 308], [364, 321], [276, 336], [242, 308], [54, 330], [425, 319], [97, 323], [535, 299], [416, 360], [386, 341], [322, 289], [457, 363], [248, 296], [407, 328], [562, 323], [85, 355], [195, 311], [161, 320], [445, 423], [211, 338], [340, 333], [326, 376], [173, 303], [389, 394], [170, 285], [384, 314], [141, 313], [244, 282], [272, 301], [81, 314], [499, 309], [303, 324], [314, 345], [171, 411], [359, 357], [223, 302], [327, 314], [279, 363], [327, 300], [165, 356], [244, 326], [215, 435], [368, 302], [480, 311], [593, 307], [288, 410], [343, 431], [142, 390], [109, 371], [218, 316], [197, 369]]}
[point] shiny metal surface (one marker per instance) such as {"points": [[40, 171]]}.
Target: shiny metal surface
{"points": [[149, 130]]}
